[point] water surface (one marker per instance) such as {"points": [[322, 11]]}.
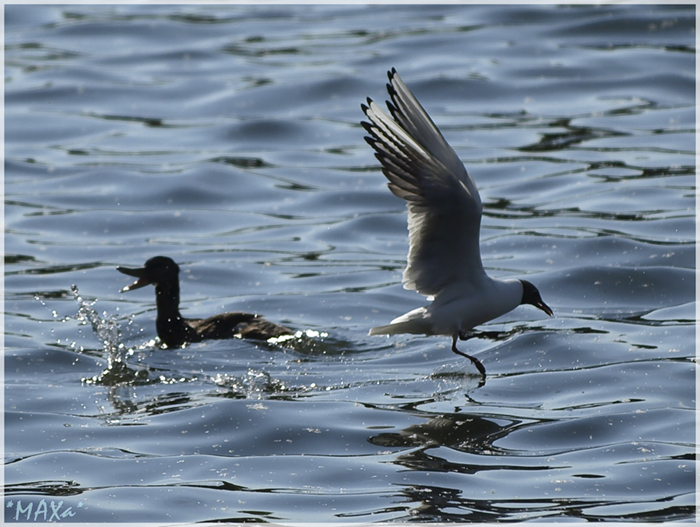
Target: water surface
{"points": [[228, 138]]}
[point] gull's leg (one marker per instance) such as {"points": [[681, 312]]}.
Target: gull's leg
{"points": [[476, 361]]}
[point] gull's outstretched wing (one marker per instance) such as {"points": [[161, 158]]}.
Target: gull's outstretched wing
{"points": [[444, 207]]}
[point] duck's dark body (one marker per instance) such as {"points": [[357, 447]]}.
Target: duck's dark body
{"points": [[174, 330]]}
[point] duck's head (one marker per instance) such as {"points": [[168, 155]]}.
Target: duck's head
{"points": [[532, 296], [157, 270]]}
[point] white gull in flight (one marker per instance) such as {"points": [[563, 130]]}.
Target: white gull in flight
{"points": [[444, 216]]}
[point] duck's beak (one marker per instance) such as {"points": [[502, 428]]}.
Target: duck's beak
{"points": [[138, 273]]}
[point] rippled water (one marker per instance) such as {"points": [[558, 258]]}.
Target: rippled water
{"points": [[228, 138]]}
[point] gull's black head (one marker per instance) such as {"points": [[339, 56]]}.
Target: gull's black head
{"points": [[532, 296], [157, 270]]}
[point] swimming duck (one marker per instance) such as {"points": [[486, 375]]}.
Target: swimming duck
{"points": [[174, 330]]}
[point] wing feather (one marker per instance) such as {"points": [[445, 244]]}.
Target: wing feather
{"points": [[444, 207]]}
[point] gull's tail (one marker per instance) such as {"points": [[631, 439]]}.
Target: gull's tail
{"points": [[416, 322]]}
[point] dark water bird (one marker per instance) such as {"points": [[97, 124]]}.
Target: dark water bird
{"points": [[444, 218], [174, 330]]}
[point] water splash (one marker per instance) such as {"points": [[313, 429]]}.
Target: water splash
{"points": [[255, 384], [108, 331], [260, 385]]}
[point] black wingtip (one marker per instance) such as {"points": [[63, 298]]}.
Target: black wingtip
{"points": [[367, 126], [393, 109], [391, 89]]}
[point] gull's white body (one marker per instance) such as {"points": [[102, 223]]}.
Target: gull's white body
{"points": [[444, 218], [458, 309]]}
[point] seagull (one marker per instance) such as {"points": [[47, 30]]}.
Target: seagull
{"points": [[444, 217], [174, 330]]}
